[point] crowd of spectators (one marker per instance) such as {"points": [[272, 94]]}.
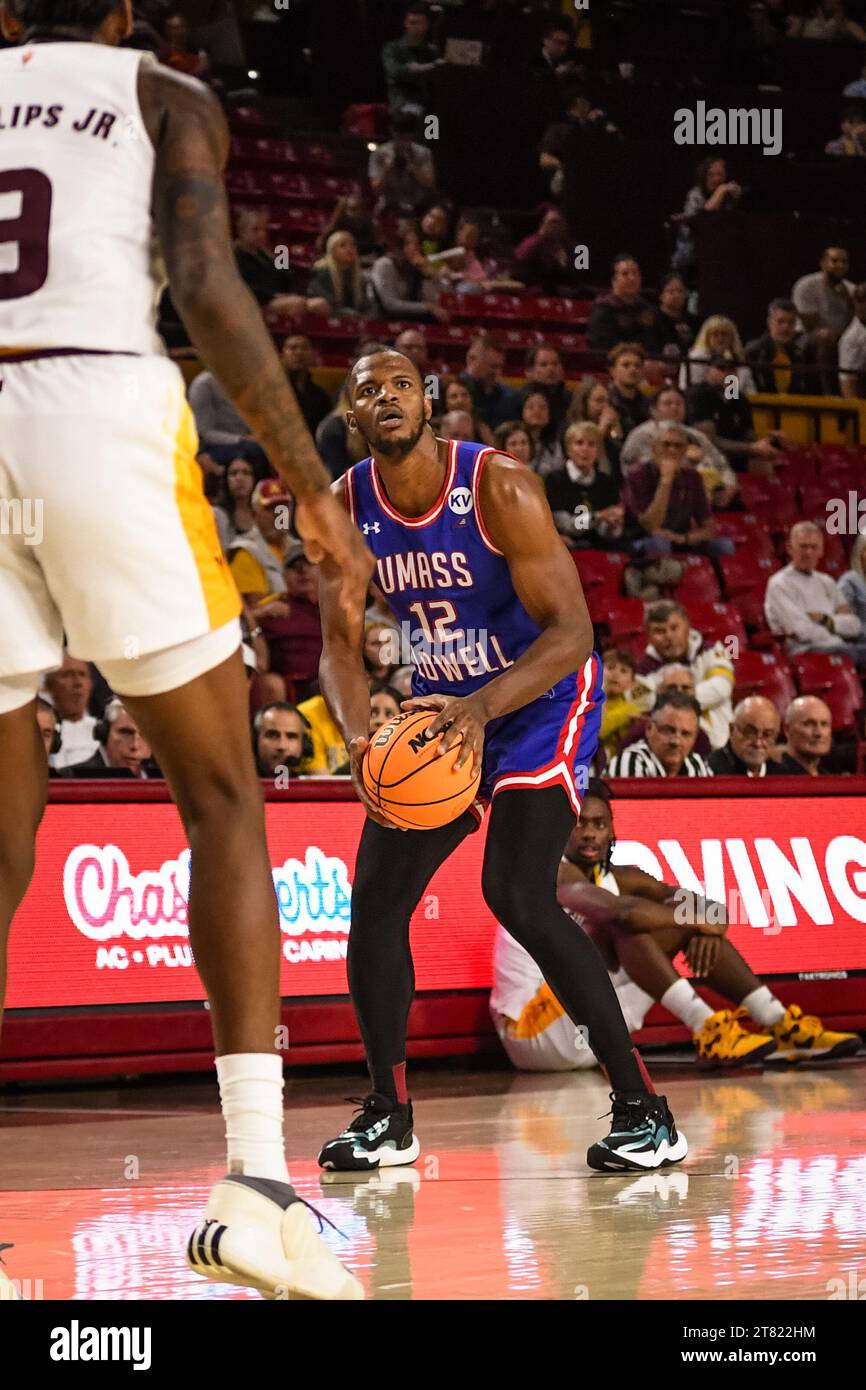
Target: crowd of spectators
{"points": [[645, 458]]}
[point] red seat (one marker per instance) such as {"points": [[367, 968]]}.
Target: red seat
{"points": [[718, 622], [745, 577], [761, 673], [835, 559], [624, 620], [746, 533], [817, 672], [601, 573], [699, 582], [756, 490]]}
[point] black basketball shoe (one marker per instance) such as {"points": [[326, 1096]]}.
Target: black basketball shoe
{"points": [[380, 1136], [642, 1135]]}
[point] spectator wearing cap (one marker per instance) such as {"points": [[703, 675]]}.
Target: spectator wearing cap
{"points": [[621, 314], [494, 400], [777, 358], [543, 261], [754, 734], [669, 406], [297, 358], [292, 626], [852, 348], [256, 558], [121, 751], [544, 373], [808, 726], [725, 416], [667, 500], [806, 607], [409, 63], [667, 750], [672, 640]]}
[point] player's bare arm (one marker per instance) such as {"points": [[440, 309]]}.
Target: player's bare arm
{"points": [[190, 136], [342, 677], [519, 522]]}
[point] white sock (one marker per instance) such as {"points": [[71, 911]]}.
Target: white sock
{"points": [[763, 1007], [251, 1095], [680, 1000]]}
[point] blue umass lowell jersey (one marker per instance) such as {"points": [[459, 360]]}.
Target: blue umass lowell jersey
{"points": [[462, 623]]}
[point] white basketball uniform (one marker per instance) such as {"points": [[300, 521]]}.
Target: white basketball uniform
{"points": [[534, 1029], [105, 534]]}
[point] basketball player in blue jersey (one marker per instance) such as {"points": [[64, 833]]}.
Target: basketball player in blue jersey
{"points": [[469, 560]]}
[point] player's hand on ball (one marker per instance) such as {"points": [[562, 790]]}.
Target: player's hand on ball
{"points": [[461, 718], [357, 749]]}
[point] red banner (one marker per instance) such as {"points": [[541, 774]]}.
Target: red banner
{"points": [[104, 921]]}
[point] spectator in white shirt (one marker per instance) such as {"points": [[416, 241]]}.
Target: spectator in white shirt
{"points": [[69, 689], [668, 748], [852, 348], [806, 607]]}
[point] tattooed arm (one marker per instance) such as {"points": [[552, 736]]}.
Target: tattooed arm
{"points": [[189, 133]]}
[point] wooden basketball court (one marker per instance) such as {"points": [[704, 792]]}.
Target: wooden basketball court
{"points": [[102, 1185]]}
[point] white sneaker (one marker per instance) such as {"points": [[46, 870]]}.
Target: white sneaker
{"points": [[258, 1233]]}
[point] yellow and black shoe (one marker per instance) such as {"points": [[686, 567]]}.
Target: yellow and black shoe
{"points": [[723, 1042], [802, 1037]]}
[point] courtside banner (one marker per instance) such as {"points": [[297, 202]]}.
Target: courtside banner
{"points": [[105, 921]]}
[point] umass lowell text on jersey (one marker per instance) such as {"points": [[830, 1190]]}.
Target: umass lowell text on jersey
{"points": [[462, 623]]}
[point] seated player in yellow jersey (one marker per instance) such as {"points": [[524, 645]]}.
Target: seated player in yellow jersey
{"points": [[637, 924]]}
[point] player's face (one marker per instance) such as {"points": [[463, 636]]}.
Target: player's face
{"points": [[382, 708], [590, 839], [389, 407]]}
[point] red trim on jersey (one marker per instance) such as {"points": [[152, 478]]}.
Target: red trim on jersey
{"points": [[480, 460], [349, 493], [560, 770], [434, 511]]}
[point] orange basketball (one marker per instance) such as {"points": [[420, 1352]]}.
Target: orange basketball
{"points": [[415, 785]]}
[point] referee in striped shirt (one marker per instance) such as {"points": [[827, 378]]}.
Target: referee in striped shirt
{"points": [[666, 749]]}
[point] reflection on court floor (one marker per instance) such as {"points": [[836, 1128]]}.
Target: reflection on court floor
{"points": [[100, 1190]]}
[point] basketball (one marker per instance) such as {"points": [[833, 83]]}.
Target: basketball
{"points": [[416, 786]]}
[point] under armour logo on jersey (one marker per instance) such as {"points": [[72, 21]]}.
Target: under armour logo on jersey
{"points": [[460, 500], [371, 526]]}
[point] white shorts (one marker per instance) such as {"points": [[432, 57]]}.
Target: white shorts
{"points": [[561, 1046], [106, 536]]}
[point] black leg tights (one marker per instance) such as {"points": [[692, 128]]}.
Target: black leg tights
{"points": [[527, 834], [391, 872]]}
